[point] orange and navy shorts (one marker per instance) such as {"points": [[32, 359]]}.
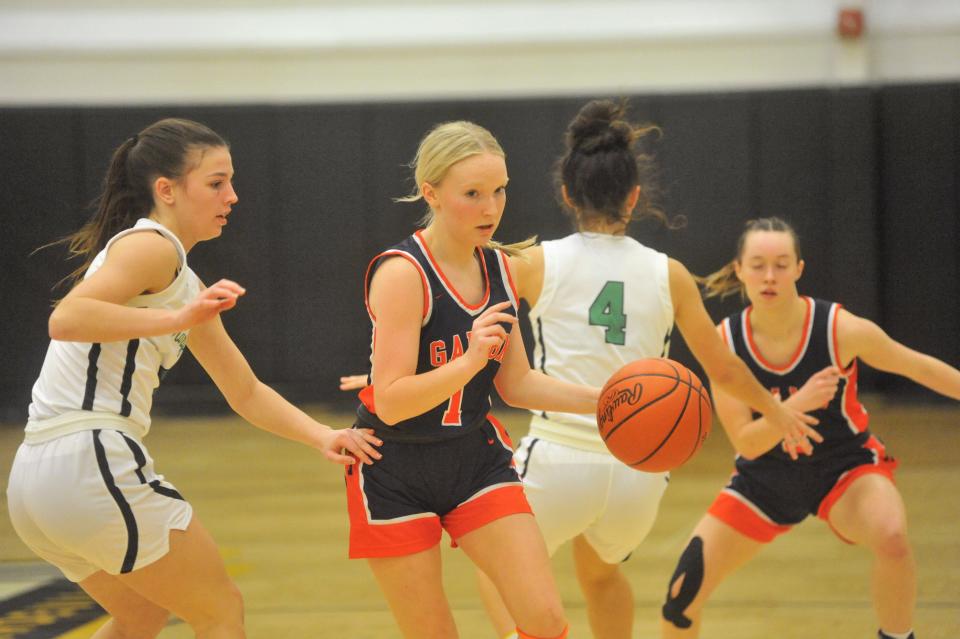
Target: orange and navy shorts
{"points": [[767, 496], [400, 504]]}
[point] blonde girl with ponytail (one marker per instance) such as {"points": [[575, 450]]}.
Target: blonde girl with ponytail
{"points": [[807, 351]]}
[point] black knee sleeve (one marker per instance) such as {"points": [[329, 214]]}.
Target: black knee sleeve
{"points": [[690, 568]]}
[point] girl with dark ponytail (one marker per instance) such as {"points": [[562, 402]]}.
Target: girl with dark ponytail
{"points": [[125, 199], [83, 493], [599, 299]]}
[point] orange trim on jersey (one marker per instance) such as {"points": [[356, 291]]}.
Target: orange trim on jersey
{"points": [[882, 465], [853, 410], [724, 332], [836, 342], [807, 325], [453, 291], [478, 512], [366, 398], [850, 407], [501, 431], [409, 258], [744, 519], [384, 540], [506, 269]]}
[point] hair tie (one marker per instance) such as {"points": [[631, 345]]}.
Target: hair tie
{"points": [[134, 139]]}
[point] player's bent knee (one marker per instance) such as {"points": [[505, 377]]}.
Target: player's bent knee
{"points": [[894, 545], [224, 611], [601, 580], [684, 584], [549, 622]]}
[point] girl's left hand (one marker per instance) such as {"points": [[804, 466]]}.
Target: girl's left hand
{"points": [[358, 442]]}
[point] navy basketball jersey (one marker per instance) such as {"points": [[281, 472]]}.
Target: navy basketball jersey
{"points": [[444, 331], [844, 418]]}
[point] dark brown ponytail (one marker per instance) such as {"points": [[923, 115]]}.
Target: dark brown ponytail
{"points": [[160, 150]]}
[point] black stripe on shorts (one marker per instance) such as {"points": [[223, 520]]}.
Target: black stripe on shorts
{"points": [[141, 460], [526, 463], [133, 536]]}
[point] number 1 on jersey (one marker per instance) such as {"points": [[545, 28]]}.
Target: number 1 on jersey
{"points": [[607, 310], [451, 416]]}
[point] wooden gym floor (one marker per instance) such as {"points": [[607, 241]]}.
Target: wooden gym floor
{"points": [[277, 511]]}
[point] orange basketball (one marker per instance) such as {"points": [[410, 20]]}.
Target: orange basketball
{"points": [[654, 414]]}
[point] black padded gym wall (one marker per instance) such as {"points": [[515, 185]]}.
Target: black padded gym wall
{"points": [[869, 177], [919, 219]]}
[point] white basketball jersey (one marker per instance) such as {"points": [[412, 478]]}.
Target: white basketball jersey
{"points": [[83, 385], [605, 302]]}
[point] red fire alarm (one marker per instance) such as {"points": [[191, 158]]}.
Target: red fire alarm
{"points": [[850, 23]]}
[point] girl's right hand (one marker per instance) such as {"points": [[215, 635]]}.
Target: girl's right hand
{"points": [[818, 390], [488, 333], [211, 301], [796, 429], [349, 445]]}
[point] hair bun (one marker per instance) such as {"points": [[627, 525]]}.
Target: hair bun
{"points": [[600, 127]]}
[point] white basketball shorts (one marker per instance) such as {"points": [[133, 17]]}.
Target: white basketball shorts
{"points": [[573, 492], [91, 501]]}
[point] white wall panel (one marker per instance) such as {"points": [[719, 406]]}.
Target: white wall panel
{"points": [[244, 50]]}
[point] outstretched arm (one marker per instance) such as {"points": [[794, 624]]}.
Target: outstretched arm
{"points": [[753, 437], [726, 371], [264, 407], [859, 337], [522, 387]]}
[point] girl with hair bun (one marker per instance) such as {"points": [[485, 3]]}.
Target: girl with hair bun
{"points": [[599, 299], [83, 493]]}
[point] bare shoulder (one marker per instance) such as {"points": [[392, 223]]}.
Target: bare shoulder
{"points": [[676, 266], [395, 269], [144, 245], [682, 284], [534, 254], [528, 262], [527, 271], [396, 281], [528, 258], [679, 274], [856, 335], [850, 326], [144, 262]]}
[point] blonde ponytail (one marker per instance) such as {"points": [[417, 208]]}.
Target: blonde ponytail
{"points": [[725, 282], [722, 283], [514, 249]]}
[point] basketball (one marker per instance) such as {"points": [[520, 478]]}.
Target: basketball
{"points": [[654, 414]]}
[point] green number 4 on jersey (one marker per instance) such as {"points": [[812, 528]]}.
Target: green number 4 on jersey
{"points": [[607, 310]]}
